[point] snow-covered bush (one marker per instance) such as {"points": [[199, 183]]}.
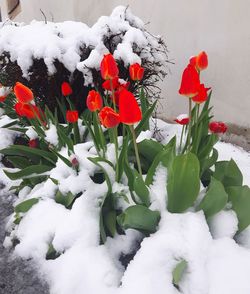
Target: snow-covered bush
{"points": [[43, 55]]}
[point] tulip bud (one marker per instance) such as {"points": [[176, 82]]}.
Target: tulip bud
{"points": [[33, 143]]}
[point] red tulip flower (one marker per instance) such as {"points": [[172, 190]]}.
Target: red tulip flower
{"points": [[182, 119], [136, 72], [116, 95], [72, 116], [94, 101], [66, 89], [217, 127], [200, 61], [202, 94], [33, 143], [109, 68], [190, 83], [108, 117], [23, 93], [28, 110], [112, 84], [130, 112]]}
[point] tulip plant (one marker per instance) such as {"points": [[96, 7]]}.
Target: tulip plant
{"points": [[113, 121]]}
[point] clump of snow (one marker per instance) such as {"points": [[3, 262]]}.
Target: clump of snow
{"points": [[182, 116], [51, 135], [7, 136], [223, 224], [31, 133], [4, 91], [65, 41]]}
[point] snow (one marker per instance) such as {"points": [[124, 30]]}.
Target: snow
{"points": [[51, 135], [223, 224], [7, 136], [64, 42], [31, 133], [216, 264]]}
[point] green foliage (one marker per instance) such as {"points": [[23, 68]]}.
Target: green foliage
{"points": [[228, 173], [149, 149], [65, 200], [25, 205], [164, 157], [28, 172], [144, 122], [141, 190], [51, 253], [140, 218], [144, 107], [239, 196], [183, 182], [178, 272], [215, 198]]}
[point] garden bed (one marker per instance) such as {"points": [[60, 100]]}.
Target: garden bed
{"points": [[108, 199]]}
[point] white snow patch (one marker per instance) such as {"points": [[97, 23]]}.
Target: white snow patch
{"points": [[51, 135]]}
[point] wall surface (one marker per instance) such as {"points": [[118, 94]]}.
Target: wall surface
{"points": [[221, 28]]}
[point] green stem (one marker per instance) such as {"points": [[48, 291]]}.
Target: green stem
{"points": [[103, 143], [182, 132], [136, 149], [77, 138], [113, 95], [190, 123], [116, 152]]}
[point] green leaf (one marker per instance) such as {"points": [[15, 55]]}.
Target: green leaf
{"points": [[130, 175], [183, 182], [92, 134], [17, 219], [140, 218], [165, 157], [51, 253], [64, 138], [178, 272], [141, 190], [25, 205], [209, 161], [110, 222], [207, 145], [30, 171], [11, 124], [64, 159], [144, 121], [29, 152], [239, 196], [215, 198], [96, 161], [228, 173], [49, 115], [149, 149], [62, 107], [65, 200], [122, 157], [19, 161], [144, 107]]}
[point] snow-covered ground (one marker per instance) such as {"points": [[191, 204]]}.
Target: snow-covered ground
{"points": [[216, 263]]}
